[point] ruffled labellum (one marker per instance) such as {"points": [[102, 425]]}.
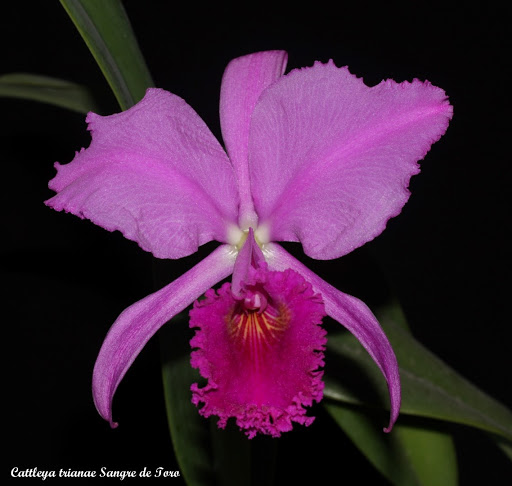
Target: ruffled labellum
{"points": [[260, 353]]}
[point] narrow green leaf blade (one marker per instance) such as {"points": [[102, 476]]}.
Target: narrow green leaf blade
{"points": [[190, 433], [232, 455], [238, 460], [412, 455], [106, 29], [430, 388], [50, 90], [505, 446], [431, 453]]}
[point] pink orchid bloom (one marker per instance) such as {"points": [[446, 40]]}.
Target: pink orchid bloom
{"points": [[314, 156]]}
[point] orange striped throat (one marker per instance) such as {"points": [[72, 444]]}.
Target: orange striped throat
{"points": [[255, 331]]}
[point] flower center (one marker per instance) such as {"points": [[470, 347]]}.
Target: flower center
{"points": [[237, 236], [256, 326]]}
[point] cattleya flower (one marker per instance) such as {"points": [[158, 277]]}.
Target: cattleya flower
{"points": [[314, 156]]}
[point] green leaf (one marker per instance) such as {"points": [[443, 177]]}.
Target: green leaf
{"points": [[504, 445], [239, 460], [45, 89], [190, 433], [232, 455], [107, 32], [413, 454], [430, 388]]}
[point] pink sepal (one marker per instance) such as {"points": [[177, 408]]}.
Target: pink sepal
{"points": [[139, 322], [356, 317]]}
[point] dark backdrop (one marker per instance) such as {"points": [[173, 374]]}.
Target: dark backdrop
{"points": [[65, 281]]}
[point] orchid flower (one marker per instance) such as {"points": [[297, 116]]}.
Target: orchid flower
{"points": [[314, 156]]}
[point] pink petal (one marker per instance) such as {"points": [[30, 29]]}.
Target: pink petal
{"points": [[139, 322], [355, 316], [331, 158], [155, 173], [262, 362], [242, 84]]}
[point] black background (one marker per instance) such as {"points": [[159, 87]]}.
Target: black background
{"points": [[65, 281]]}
